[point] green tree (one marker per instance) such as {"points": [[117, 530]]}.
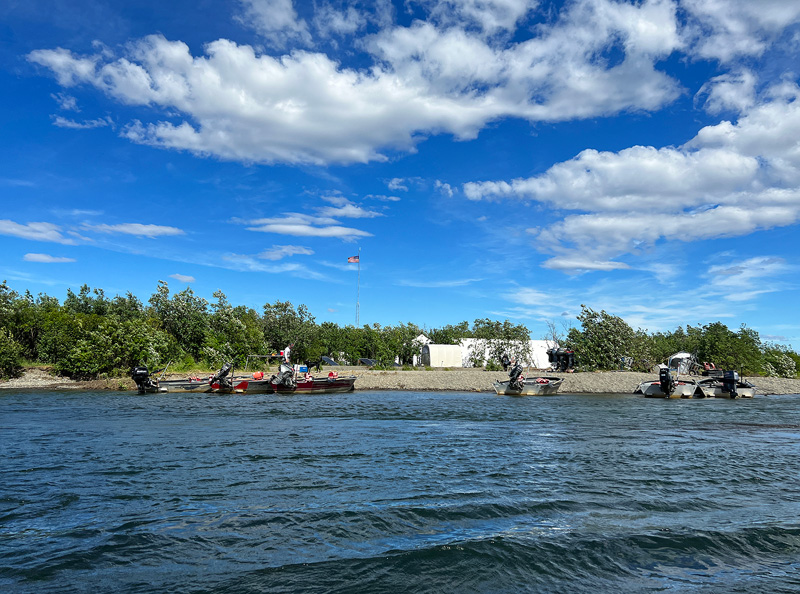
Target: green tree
{"points": [[126, 308], [183, 315], [450, 334], [405, 345], [493, 339], [283, 325], [718, 344], [84, 303], [603, 340], [778, 361], [233, 334], [10, 355]]}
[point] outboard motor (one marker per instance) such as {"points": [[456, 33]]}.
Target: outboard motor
{"points": [[285, 376], [515, 378], [221, 377], [730, 381], [552, 357], [144, 383], [666, 381], [568, 361], [561, 359]]}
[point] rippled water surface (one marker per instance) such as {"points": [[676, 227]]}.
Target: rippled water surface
{"points": [[397, 492]]}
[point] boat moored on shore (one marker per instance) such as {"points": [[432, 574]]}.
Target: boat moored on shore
{"points": [[534, 386], [670, 384], [730, 385], [219, 383], [290, 381]]}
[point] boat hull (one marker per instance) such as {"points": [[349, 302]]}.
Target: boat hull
{"points": [[683, 389], [531, 387], [322, 385], [200, 387], [713, 389]]}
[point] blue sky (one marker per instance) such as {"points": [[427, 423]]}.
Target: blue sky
{"points": [[507, 159]]}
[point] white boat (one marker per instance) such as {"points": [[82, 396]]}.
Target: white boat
{"points": [[534, 386], [670, 384], [730, 385], [682, 388]]}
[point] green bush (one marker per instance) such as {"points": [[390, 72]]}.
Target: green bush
{"points": [[10, 355]]}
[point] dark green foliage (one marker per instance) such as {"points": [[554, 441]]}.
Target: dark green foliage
{"points": [[605, 339], [10, 355], [233, 334], [283, 326], [449, 334], [603, 342], [90, 335], [184, 316]]}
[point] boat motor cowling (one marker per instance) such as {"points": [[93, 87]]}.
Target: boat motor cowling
{"points": [[285, 376], [141, 377], [730, 382], [515, 377], [220, 376], [666, 381]]}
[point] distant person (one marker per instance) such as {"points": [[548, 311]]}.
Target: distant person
{"points": [[505, 362], [286, 353]]}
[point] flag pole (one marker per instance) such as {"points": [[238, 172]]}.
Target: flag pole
{"points": [[358, 288]]}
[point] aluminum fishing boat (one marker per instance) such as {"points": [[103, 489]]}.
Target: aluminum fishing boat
{"points": [[670, 384], [219, 383], [730, 385], [288, 381], [533, 386]]}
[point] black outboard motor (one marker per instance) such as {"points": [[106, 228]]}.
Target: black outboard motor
{"points": [[567, 360], [552, 357], [144, 383], [730, 382], [561, 359], [666, 381], [515, 379], [285, 376], [221, 377]]}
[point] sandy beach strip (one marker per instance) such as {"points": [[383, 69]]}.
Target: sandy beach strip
{"points": [[458, 380]]}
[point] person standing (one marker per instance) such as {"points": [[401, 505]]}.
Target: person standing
{"points": [[286, 352]]}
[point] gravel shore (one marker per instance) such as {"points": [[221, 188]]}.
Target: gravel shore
{"points": [[460, 380]]}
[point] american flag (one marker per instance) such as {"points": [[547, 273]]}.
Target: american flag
{"points": [[352, 259]]}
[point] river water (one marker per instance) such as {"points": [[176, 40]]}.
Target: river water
{"points": [[397, 492]]}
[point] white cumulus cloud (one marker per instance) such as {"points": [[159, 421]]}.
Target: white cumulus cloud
{"points": [[730, 180], [444, 75]]}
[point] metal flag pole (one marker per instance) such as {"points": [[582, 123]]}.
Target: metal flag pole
{"points": [[358, 289]]}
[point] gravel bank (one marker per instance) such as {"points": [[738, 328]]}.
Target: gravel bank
{"points": [[460, 380]]}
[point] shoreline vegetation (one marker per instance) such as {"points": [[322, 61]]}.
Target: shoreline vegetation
{"points": [[97, 341], [434, 380]]}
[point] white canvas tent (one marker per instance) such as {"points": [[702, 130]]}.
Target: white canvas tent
{"points": [[441, 355]]}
